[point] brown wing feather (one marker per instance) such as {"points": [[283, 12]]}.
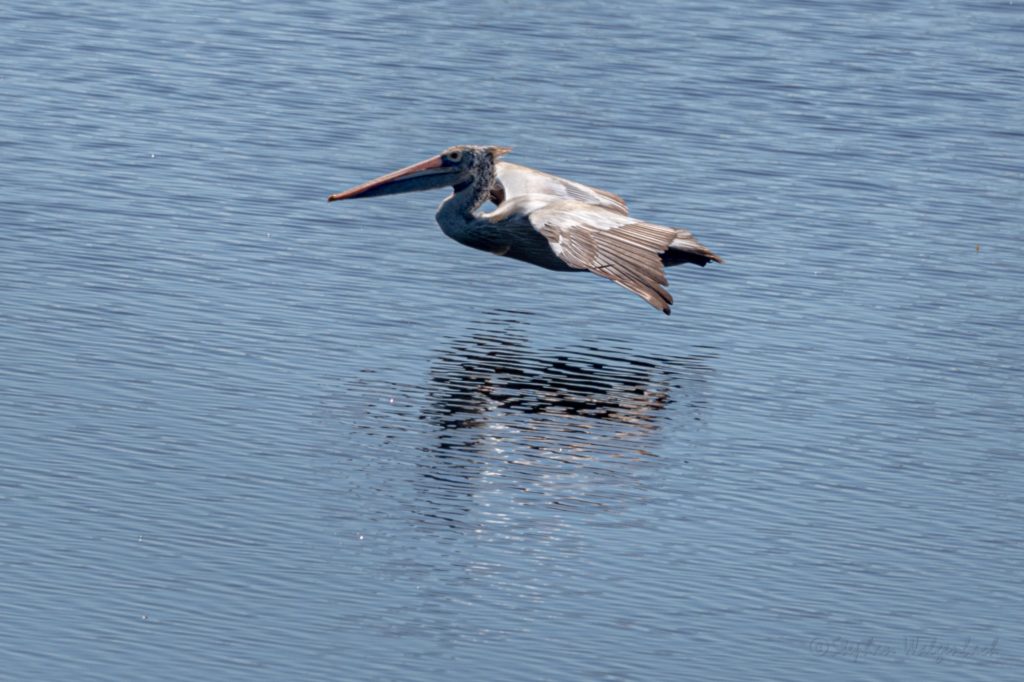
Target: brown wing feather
{"points": [[629, 255]]}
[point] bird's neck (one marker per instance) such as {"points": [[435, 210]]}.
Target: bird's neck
{"points": [[468, 196]]}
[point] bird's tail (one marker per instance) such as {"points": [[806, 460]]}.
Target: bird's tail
{"points": [[686, 249]]}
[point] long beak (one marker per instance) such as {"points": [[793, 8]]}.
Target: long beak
{"points": [[429, 174]]}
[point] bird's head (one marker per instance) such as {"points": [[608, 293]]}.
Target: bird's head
{"points": [[451, 168]]}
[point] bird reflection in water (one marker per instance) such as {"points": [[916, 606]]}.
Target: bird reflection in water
{"points": [[554, 427]]}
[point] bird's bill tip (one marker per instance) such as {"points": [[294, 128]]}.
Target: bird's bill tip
{"points": [[381, 184]]}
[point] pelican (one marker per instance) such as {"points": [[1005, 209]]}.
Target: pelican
{"points": [[543, 219]]}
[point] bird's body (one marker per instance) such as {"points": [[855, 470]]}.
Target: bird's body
{"points": [[545, 220]]}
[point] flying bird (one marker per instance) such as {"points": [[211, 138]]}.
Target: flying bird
{"points": [[543, 219]]}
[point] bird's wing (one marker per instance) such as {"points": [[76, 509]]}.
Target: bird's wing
{"points": [[514, 180], [609, 244]]}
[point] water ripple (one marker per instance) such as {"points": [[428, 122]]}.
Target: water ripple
{"points": [[572, 428]]}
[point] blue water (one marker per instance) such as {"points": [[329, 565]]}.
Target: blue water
{"points": [[247, 435]]}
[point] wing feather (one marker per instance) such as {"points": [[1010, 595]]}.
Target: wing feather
{"points": [[513, 180], [609, 244]]}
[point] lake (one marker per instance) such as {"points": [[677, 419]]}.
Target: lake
{"points": [[249, 435]]}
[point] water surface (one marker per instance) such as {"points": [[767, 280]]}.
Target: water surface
{"points": [[245, 434]]}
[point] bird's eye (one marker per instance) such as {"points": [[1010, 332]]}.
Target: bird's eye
{"points": [[454, 156]]}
